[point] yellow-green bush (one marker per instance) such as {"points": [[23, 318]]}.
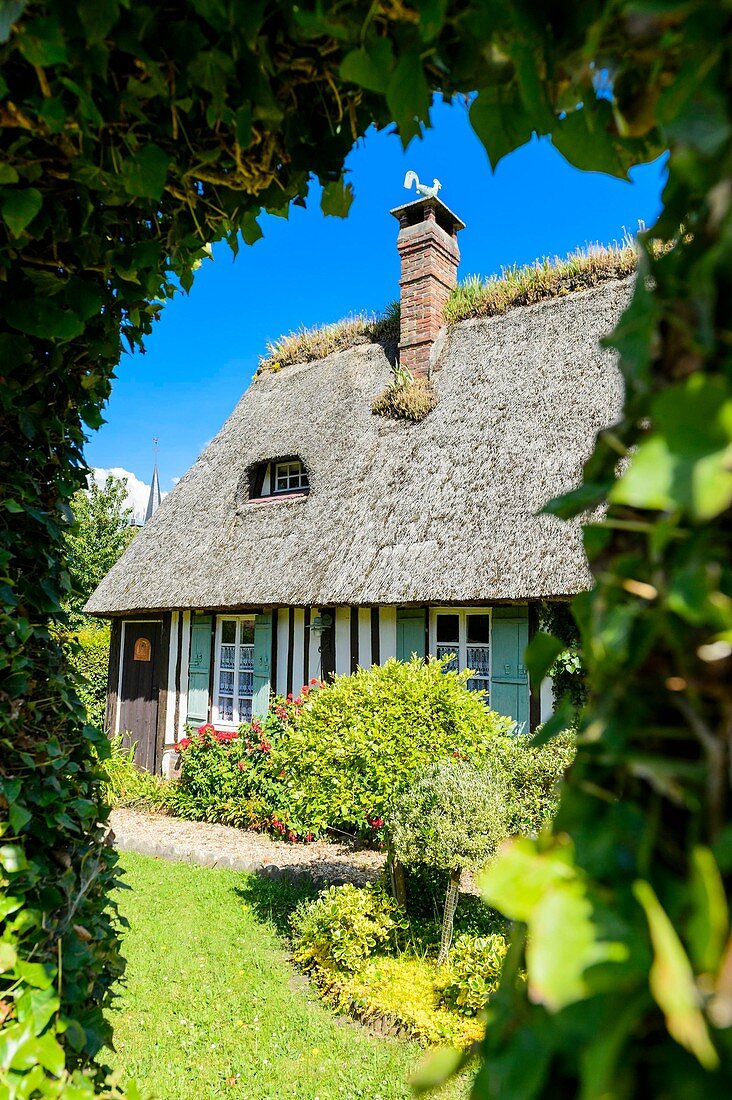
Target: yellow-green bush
{"points": [[356, 742], [343, 926]]}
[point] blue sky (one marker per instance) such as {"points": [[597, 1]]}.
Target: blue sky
{"points": [[312, 269]]}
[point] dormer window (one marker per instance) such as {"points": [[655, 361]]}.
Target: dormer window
{"points": [[274, 478], [290, 476]]}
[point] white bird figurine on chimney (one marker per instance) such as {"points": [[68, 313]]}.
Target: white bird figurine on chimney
{"points": [[422, 188]]}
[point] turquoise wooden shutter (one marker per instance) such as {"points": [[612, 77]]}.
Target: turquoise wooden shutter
{"points": [[509, 692], [410, 632], [199, 670], [262, 664]]}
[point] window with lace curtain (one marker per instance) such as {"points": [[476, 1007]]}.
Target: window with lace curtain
{"points": [[465, 634], [234, 670]]}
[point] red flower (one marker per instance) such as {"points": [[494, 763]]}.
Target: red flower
{"points": [[309, 838], [314, 682], [183, 744], [298, 701], [291, 837], [375, 822], [256, 726], [240, 765], [289, 697], [265, 746], [205, 728]]}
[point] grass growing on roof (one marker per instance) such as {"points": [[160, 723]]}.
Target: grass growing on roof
{"points": [[547, 278], [212, 1008], [306, 345]]}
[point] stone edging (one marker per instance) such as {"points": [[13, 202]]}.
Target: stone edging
{"points": [[207, 857]]}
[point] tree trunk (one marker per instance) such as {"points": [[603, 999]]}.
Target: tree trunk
{"points": [[451, 900], [396, 880]]}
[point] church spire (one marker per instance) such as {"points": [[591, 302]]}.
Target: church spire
{"points": [[154, 498]]}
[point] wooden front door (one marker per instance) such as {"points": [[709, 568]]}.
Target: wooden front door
{"points": [[138, 716]]}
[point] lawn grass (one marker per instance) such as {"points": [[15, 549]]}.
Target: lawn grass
{"points": [[213, 1008]]}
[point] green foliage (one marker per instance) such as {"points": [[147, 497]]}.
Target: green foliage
{"points": [[401, 995], [534, 777], [136, 135], [475, 972], [232, 778], [343, 926], [567, 671], [127, 785], [100, 534], [87, 652], [362, 738], [451, 816]]}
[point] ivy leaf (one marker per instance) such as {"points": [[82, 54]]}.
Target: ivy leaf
{"points": [[672, 981], [8, 957], [41, 42], [687, 461], [582, 139], [501, 122], [144, 174], [19, 207], [97, 17], [431, 18], [436, 1068], [43, 317], [709, 921], [336, 199], [250, 228], [408, 96], [370, 66], [540, 655], [565, 939], [12, 858]]}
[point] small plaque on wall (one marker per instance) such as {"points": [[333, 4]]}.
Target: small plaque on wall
{"points": [[142, 650]]}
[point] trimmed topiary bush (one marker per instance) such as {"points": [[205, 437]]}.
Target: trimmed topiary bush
{"points": [[452, 817]]}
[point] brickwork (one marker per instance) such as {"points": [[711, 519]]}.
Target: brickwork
{"points": [[429, 260]]}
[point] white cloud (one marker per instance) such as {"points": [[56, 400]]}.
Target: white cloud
{"points": [[138, 492]]}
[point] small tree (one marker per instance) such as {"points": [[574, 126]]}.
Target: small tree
{"points": [[101, 532], [451, 817]]}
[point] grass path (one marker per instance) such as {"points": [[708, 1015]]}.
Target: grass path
{"points": [[212, 1008]]}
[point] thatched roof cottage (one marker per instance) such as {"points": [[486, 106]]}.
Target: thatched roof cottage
{"points": [[313, 536]]}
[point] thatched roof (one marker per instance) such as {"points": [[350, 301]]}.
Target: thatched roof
{"points": [[439, 511]]}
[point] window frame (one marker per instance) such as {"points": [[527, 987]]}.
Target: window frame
{"points": [[216, 718], [303, 479], [462, 648]]}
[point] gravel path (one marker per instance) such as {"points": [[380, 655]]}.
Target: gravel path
{"points": [[240, 850]]}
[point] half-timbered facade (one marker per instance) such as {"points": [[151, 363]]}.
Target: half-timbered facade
{"points": [[312, 536]]}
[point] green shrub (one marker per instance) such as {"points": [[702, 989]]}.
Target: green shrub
{"points": [[356, 742], [475, 971], [343, 926], [533, 777], [124, 784], [87, 653], [230, 777], [453, 816]]}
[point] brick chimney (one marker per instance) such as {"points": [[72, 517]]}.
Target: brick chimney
{"points": [[427, 245]]}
